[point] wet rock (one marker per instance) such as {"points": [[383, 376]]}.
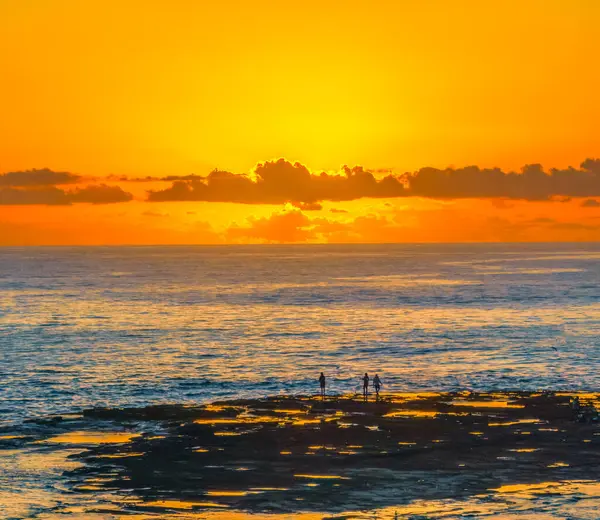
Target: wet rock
{"points": [[283, 454]]}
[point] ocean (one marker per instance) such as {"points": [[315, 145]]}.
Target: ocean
{"points": [[129, 326], [87, 326]]}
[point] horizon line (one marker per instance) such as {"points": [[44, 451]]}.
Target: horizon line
{"points": [[305, 244]]}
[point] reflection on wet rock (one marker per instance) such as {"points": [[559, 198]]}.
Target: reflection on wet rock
{"points": [[285, 455]]}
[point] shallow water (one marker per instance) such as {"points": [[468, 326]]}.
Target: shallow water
{"points": [[81, 327]]}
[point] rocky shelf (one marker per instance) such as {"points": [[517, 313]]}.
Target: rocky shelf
{"points": [[285, 454]]}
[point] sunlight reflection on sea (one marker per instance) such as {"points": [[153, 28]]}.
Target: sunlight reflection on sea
{"points": [[86, 326]]}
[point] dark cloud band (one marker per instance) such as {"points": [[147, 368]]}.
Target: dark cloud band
{"points": [[42, 177], [53, 196], [277, 182], [280, 181]]}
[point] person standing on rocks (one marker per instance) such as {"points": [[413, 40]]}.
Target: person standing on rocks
{"points": [[377, 385], [365, 385], [322, 384]]}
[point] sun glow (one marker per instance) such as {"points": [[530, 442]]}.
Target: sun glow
{"points": [[146, 90]]}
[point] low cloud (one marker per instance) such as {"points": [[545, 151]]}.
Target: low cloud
{"points": [[53, 196], [42, 177], [278, 228], [366, 228], [73, 231], [501, 204], [574, 226], [99, 194], [149, 178], [590, 203], [49, 196], [409, 226], [307, 206], [554, 224], [336, 210], [154, 214], [276, 182]]}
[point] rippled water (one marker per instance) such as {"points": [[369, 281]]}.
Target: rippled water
{"points": [[114, 326]]}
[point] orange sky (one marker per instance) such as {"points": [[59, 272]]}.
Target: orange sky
{"points": [[154, 88]]}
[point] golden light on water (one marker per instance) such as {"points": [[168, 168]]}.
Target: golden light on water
{"points": [[87, 437], [181, 504]]}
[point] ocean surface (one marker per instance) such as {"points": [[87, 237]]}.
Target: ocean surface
{"points": [[116, 326], [129, 326]]}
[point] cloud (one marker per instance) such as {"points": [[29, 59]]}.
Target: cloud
{"points": [[42, 177], [551, 223], [73, 231], [53, 196], [149, 178], [99, 194], [366, 228], [280, 181], [279, 227], [590, 203], [154, 214], [402, 226], [307, 206], [532, 183], [574, 226], [49, 196], [501, 203], [540, 221], [336, 210]]}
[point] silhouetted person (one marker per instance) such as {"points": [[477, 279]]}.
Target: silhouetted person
{"points": [[365, 385], [377, 385], [577, 409], [322, 384]]}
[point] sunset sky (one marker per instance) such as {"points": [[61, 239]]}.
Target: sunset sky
{"points": [[200, 122]]}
